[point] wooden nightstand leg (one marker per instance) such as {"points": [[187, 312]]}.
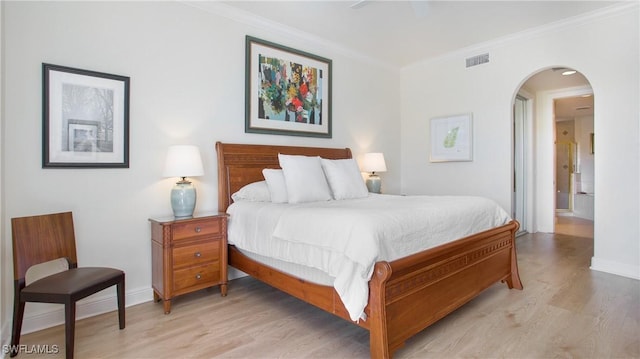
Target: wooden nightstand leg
{"points": [[156, 297], [167, 306], [223, 289]]}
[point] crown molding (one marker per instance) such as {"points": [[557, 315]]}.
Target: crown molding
{"points": [[245, 17], [235, 14]]}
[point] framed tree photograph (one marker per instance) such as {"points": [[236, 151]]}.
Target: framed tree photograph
{"points": [[451, 138], [85, 118], [288, 92]]}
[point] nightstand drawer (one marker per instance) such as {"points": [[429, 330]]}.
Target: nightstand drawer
{"points": [[193, 276], [196, 228], [196, 253]]}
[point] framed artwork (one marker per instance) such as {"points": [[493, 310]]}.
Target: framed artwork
{"points": [[288, 92], [85, 117], [451, 138]]}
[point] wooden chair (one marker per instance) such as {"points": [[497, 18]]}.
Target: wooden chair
{"points": [[43, 238]]}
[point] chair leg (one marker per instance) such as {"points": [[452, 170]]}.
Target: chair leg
{"points": [[120, 293], [70, 327], [18, 315]]}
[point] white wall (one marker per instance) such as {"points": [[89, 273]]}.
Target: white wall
{"points": [[605, 49], [187, 70], [5, 276]]}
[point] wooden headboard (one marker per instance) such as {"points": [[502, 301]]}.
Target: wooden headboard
{"points": [[239, 164]]}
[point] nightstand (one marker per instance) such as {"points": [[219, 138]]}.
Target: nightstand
{"points": [[188, 255]]}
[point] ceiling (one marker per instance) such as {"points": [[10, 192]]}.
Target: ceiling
{"points": [[569, 108], [403, 32]]}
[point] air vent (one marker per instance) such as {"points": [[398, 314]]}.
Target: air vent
{"points": [[478, 60]]}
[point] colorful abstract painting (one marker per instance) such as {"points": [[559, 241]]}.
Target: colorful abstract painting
{"points": [[288, 91]]}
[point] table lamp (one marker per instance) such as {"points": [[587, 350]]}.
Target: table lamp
{"points": [[183, 161], [373, 162]]}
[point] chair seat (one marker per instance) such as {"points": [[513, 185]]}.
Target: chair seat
{"points": [[72, 282]]}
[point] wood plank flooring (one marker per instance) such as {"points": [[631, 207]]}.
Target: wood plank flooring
{"points": [[564, 311]]}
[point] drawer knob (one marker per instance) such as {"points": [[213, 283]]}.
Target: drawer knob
{"points": [[198, 229], [198, 276], [197, 254]]}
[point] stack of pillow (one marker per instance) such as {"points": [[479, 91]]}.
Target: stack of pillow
{"points": [[306, 179]]}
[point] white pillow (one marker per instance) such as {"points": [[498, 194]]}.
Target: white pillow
{"points": [[344, 178], [277, 186], [305, 178], [255, 192]]}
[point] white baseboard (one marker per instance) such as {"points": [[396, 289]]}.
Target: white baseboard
{"points": [[85, 308], [617, 268]]}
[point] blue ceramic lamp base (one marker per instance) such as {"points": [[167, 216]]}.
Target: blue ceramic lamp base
{"points": [[374, 183], [183, 199]]}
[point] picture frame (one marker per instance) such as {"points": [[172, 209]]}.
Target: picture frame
{"points": [[452, 138], [85, 118], [288, 92]]}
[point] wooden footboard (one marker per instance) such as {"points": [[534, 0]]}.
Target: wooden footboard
{"points": [[409, 294], [412, 293]]}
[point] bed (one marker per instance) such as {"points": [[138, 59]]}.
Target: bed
{"points": [[406, 295]]}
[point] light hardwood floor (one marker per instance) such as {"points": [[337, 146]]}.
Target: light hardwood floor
{"points": [[564, 311]]}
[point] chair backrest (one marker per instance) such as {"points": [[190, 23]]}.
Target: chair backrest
{"points": [[43, 238]]}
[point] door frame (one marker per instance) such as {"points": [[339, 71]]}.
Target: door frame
{"points": [[523, 161], [545, 155]]}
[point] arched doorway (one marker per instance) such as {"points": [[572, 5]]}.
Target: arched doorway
{"points": [[542, 99]]}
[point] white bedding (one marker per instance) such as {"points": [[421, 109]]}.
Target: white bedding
{"points": [[345, 238]]}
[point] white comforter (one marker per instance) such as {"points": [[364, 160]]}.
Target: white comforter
{"points": [[345, 238]]}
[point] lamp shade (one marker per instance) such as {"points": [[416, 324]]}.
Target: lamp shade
{"points": [[373, 162], [183, 161]]}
